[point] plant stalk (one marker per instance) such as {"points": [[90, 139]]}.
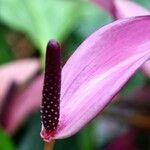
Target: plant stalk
{"points": [[49, 145]]}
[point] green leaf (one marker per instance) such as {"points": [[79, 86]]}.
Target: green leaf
{"points": [[144, 3], [91, 19], [5, 141], [41, 20], [137, 80], [87, 138], [71, 143], [31, 138]]}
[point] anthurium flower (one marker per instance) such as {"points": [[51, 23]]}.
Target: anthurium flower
{"points": [[92, 76]]}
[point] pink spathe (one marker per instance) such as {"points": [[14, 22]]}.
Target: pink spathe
{"points": [[98, 70]]}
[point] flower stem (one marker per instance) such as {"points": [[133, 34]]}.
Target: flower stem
{"points": [[49, 146]]}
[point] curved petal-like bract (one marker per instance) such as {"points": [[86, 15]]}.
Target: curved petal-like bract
{"points": [[18, 72], [98, 70], [22, 105]]}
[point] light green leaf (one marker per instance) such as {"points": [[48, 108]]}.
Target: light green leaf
{"points": [[41, 20]]}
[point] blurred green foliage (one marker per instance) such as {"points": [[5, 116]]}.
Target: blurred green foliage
{"points": [[31, 137], [5, 52], [137, 81], [88, 22], [40, 20], [145, 3], [5, 141]]}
